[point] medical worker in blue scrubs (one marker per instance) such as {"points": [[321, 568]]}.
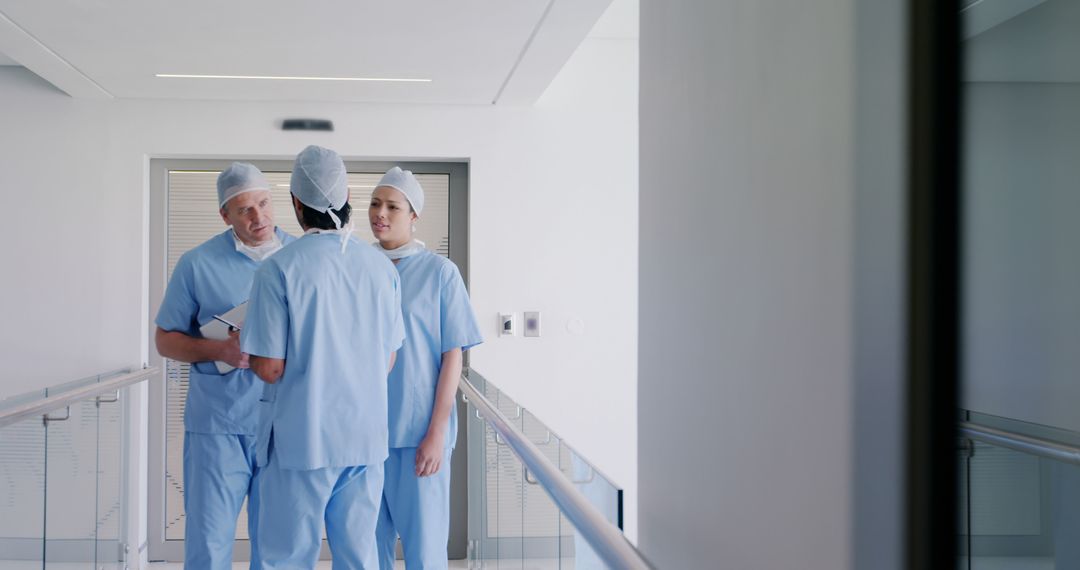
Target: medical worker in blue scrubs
{"points": [[439, 326], [221, 409], [324, 322]]}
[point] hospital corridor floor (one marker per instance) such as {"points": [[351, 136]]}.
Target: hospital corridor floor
{"points": [[323, 565]]}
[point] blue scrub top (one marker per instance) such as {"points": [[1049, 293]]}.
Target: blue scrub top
{"points": [[211, 279], [438, 318], [335, 318]]}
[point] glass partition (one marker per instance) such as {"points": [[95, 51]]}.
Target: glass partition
{"points": [[513, 522], [1018, 510], [22, 491], [71, 486], [1020, 200], [62, 481], [110, 550], [1020, 279]]}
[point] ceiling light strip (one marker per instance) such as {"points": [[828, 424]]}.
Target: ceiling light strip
{"points": [[291, 78]]}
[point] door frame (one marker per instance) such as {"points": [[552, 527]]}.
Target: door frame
{"points": [[160, 549]]}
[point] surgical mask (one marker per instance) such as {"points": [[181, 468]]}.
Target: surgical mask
{"points": [[412, 248], [258, 252], [344, 232]]}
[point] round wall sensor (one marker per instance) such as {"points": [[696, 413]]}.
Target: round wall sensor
{"points": [[575, 326]]}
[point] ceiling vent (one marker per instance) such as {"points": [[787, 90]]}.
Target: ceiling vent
{"points": [[307, 125]]}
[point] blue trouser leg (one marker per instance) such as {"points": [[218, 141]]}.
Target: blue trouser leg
{"points": [[417, 509], [385, 534], [351, 516], [295, 504], [218, 469], [291, 507], [253, 501]]}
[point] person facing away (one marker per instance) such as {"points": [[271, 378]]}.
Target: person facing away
{"points": [[323, 325], [219, 415], [440, 325]]}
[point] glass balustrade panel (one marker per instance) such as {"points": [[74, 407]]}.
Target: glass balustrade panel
{"points": [[518, 525], [110, 480], [71, 486], [22, 491], [1017, 510], [475, 429]]}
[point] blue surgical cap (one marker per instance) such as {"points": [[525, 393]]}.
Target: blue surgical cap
{"points": [[238, 178], [319, 180], [404, 182]]}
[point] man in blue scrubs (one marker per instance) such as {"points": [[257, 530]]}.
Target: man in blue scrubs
{"points": [[323, 325], [221, 409]]}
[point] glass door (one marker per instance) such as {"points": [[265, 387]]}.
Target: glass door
{"points": [[1021, 278]]}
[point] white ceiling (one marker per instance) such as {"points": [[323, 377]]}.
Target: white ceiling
{"points": [[621, 21], [1039, 43], [473, 51]]}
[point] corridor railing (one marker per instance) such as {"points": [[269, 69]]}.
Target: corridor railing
{"points": [[62, 474], [534, 502], [1019, 494]]}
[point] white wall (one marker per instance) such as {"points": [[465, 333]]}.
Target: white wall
{"points": [[753, 282], [553, 227], [59, 284], [1021, 271]]}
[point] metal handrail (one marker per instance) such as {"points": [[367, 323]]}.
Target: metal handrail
{"points": [[1023, 443], [605, 538], [45, 405], [547, 440]]}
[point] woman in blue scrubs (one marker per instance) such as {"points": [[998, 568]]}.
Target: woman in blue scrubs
{"points": [[439, 326]]}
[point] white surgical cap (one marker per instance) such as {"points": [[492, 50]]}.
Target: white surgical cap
{"points": [[238, 178], [319, 180], [404, 182]]}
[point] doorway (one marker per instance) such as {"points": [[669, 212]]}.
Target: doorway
{"points": [[183, 214]]}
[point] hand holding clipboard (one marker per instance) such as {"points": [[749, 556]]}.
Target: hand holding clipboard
{"points": [[224, 326]]}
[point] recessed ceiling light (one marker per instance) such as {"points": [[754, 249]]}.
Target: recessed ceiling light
{"points": [[292, 78]]}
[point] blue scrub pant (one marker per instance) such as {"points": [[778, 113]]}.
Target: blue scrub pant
{"points": [[219, 471], [295, 503], [417, 508]]}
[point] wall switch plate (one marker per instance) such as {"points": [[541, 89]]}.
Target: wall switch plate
{"points": [[532, 323], [506, 324]]}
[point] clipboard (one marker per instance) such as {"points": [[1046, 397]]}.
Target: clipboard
{"points": [[219, 327]]}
